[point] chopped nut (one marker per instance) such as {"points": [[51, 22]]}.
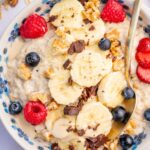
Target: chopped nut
{"points": [[115, 48], [59, 43], [13, 3], [38, 96], [61, 32], [53, 105], [118, 65], [47, 136], [48, 73], [91, 11], [113, 145], [114, 34], [24, 72], [130, 127]]}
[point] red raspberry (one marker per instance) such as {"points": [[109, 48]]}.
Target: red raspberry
{"points": [[35, 112], [143, 59], [143, 74], [34, 26], [113, 12], [144, 45]]}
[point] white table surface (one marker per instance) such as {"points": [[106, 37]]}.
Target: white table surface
{"points": [[6, 142]]}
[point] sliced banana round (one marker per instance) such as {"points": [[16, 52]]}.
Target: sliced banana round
{"points": [[110, 89], [52, 116], [94, 119], [89, 68], [69, 14], [90, 33], [61, 126], [61, 91]]}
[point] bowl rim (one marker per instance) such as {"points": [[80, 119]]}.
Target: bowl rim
{"points": [[145, 9]]}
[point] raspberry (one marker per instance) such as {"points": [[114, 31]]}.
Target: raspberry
{"points": [[144, 45], [113, 12], [143, 74], [35, 112], [34, 26]]}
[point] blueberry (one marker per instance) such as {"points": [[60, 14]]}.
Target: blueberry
{"points": [[126, 141], [104, 1], [104, 44], [32, 59], [147, 114], [15, 108], [120, 114], [128, 93]]}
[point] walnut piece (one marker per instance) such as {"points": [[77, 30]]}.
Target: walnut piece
{"points": [[112, 35], [47, 73], [91, 11], [52, 106], [39, 96], [24, 72], [118, 65], [130, 127]]}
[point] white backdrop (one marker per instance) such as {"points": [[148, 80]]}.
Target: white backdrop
{"points": [[6, 142]]}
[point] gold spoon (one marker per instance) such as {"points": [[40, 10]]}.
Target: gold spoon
{"points": [[118, 128]]}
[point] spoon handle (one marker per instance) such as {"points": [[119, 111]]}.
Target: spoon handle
{"points": [[130, 38]]}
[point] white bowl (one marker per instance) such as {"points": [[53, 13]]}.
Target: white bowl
{"points": [[16, 130]]}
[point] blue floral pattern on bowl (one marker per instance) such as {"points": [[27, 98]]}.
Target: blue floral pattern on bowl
{"points": [[42, 7]]}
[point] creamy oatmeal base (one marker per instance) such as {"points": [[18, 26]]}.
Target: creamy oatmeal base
{"points": [[71, 69]]}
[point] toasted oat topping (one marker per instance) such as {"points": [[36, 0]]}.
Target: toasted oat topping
{"points": [[47, 73], [24, 72], [52, 106], [39, 96], [91, 11], [118, 65]]}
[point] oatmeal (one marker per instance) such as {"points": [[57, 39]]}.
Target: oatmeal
{"points": [[70, 79]]}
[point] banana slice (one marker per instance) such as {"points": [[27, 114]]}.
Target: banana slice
{"points": [[61, 91], [69, 14], [90, 33], [61, 126], [89, 68], [94, 119], [110, 88], [52, 117]]}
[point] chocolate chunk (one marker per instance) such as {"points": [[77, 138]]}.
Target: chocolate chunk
{"points": [[97, 142], [80, 132], [71, 147], [95, 128], [70, 129], [70, 81], [52, 18], [92, 28], [88, 92], [67, 64], [87, 21], [55, 146], [105, 148], [76, 47], [73, 110], [83, 2]]}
